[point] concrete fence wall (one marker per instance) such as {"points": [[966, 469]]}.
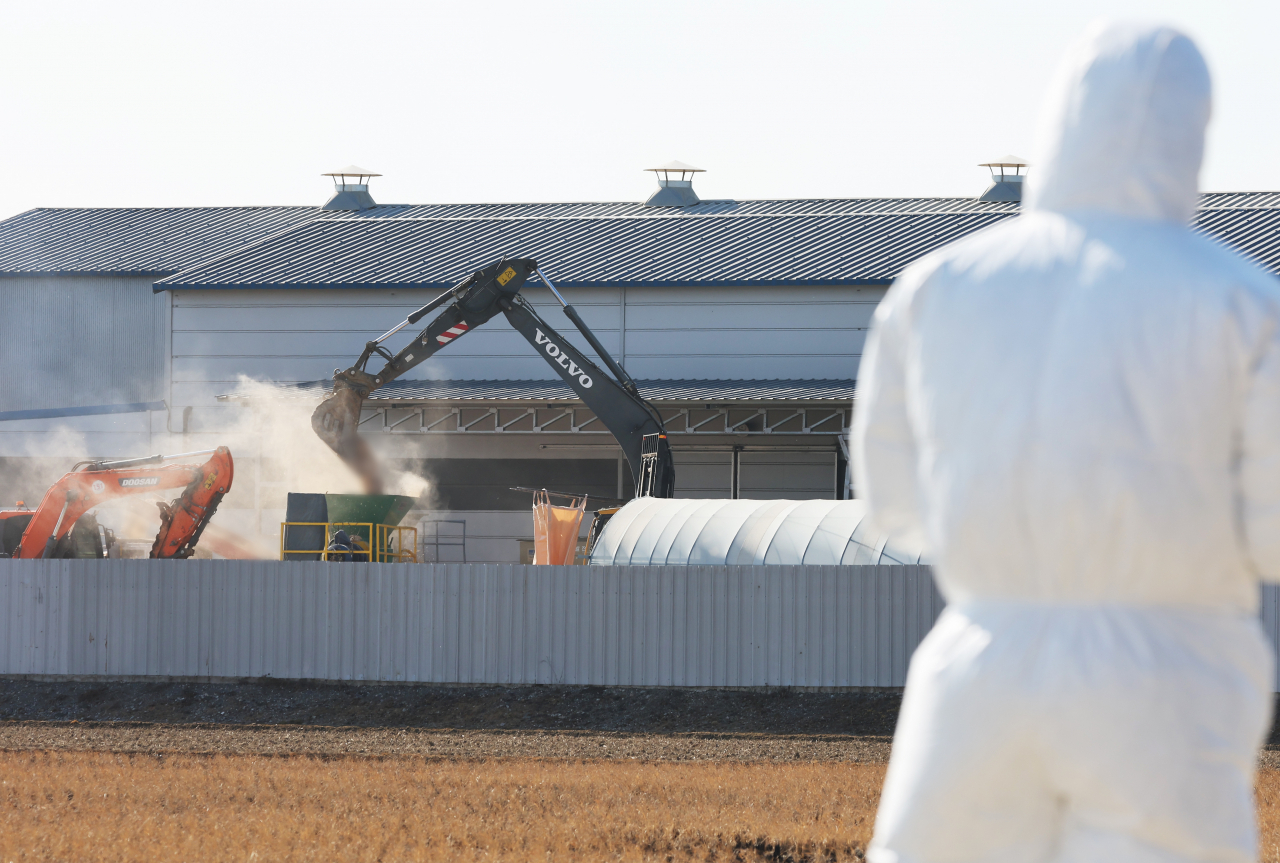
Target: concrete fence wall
{"points": [[456, 623]]}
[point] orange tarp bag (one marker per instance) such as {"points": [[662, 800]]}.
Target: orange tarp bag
{"points": [[555, 529]]}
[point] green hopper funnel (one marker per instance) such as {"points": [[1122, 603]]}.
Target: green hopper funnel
{"points": [[368, 508]]}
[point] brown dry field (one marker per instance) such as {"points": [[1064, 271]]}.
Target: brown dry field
{"points": [[294, 771], [111, 806], [84, 805]]}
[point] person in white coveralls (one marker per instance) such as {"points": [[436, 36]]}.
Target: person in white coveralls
{"points": [[1079, 409]]}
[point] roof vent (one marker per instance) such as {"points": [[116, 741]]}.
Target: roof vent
{"points": [[350, 189], [1007, 184], [674, 193]]}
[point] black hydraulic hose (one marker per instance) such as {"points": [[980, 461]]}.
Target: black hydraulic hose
{"points": [[618, 372], [440, 300], [431, 306]]}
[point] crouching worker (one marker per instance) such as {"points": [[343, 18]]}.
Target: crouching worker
{"points": [[1080, 409], [346, 548]]}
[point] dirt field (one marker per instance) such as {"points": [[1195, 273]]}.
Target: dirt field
{"points": [[177, 772], [72, 806], [82, 806], [293, 772]]}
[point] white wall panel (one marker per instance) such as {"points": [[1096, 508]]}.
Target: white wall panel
{"points": [[72, 341], [744, 366], [762, 341], [733, 333], [249, 316], [780, 312], [493, 536], [628, 626], [499, 340], [226, 371], [754, 295]]}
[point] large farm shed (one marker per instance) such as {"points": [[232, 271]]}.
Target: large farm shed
{"points": [[743, 321]]}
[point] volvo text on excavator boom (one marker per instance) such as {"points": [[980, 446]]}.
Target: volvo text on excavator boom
{"points": [[615, 400]]}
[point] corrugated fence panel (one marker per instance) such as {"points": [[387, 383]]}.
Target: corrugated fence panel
{"points": [[457, 623], [1270, 614]]}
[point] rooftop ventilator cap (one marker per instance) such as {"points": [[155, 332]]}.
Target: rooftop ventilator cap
{"points": [[674, 192], [1007, 184], [350, 189]]}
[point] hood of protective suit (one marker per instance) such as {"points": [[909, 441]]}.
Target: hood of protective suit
{"points": [[1123, 130], [1081, 404]]}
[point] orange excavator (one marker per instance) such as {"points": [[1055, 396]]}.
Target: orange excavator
{"points": [[62, 526]]}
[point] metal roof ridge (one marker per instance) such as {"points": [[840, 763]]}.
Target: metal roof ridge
{"points": [[881, 198], [170, 209], [703, 201], [667, 217], [236, 251]]}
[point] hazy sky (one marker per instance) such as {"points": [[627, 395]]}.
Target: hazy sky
{"points": [[229, 103]]}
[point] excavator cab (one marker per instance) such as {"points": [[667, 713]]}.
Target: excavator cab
{"points": [[12, 523], [86, 540]]}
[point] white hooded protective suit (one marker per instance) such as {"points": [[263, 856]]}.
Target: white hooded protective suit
{"points": [[1080, 410]]}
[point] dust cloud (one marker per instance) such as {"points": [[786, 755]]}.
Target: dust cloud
{"points": [[276, 428], [275, 450], [49, 455], [44, 458]]}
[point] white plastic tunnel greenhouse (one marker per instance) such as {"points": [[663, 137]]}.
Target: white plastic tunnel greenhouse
{"points": [[666, 532]]}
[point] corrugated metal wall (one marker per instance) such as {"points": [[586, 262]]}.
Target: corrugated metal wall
{"points": [[80, 340], [739, 333], [500, 624]]}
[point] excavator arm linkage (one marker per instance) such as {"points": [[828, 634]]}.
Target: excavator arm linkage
{"points": [[184, 520], [616, 400]]}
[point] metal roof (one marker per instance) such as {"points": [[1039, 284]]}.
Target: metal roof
{"points": [[134, 241], [711, 207], [726, 250], [555, 390], [1253, 232], [164, 241]]}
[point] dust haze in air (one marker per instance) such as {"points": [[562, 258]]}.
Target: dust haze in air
{"points": [[271, 430], [277, 430]]}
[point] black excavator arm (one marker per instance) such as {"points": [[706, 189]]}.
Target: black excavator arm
{"points": [[616, 400]]}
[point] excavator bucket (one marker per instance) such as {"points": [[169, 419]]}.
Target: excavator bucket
{"points": [[336, 422], [183, 520]]}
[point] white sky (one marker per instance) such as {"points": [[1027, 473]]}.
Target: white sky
{"points": [[239, 103]]}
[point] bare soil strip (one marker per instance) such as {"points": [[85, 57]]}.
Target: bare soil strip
{"points": [[495, 708], [156, 738]]}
